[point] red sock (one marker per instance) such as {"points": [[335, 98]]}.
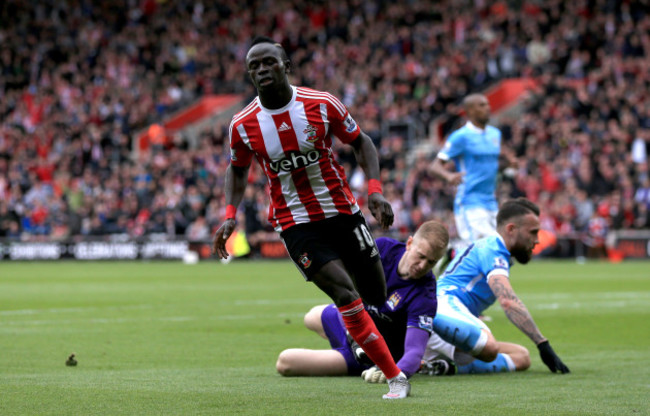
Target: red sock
{"points": [[365, 333]]}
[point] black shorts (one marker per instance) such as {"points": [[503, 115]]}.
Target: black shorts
{"points": [[346, 237]]}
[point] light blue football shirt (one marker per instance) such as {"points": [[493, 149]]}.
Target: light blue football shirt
{"points": [[476, 153], [467, 275]]}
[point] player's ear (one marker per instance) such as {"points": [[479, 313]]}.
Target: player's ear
{"points": [[409, 241], [287, 66]]}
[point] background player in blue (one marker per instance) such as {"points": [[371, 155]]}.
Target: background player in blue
{"points": [[404, 320], [475, 151], [472, 282]]}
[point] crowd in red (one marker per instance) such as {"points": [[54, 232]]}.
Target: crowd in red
{"points": [[79, 80]]}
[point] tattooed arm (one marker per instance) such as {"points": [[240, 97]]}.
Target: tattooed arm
{"points": [[514, 308]]}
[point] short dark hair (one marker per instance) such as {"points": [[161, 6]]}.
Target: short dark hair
{"points": [[265, 39], [262, 39], [515, 208]]}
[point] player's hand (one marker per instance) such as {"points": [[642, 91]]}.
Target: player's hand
{"points": [[550, 358], [373, 375], [455, 178], [381, 210], [221, 236], [511, 157]]}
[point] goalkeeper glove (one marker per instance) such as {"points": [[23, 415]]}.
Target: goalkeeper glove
{"points": [[550, 358], [373, 375]]}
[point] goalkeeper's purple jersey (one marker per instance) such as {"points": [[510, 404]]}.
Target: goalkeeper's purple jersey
{"points": [[410, 303]]}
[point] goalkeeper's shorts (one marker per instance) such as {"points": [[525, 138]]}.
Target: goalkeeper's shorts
{"points": [[336, 334]]}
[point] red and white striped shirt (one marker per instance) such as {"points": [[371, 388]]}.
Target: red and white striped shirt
{"points": [[293, 145]]}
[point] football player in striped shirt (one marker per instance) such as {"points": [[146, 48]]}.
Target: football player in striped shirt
{"points": [[290, 131]]}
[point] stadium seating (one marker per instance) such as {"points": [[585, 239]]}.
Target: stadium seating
{"points": [[80, 81]]}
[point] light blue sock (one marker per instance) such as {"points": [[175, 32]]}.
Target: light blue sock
{"points": [[503, 363]]}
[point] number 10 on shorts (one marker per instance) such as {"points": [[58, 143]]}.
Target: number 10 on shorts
{"points": [[364, 237]]}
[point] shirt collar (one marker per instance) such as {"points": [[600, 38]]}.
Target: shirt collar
{"points": [[500, 238], [279, 110], [474, 128]]}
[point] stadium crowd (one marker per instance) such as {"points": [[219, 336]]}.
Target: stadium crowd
{"points": [[79, 80]]}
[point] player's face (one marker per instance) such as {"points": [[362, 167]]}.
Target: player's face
{"points": [[526, 238], [266, 67], [481, 110], [419, 258]]}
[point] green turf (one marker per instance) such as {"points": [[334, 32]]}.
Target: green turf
{"points": [[165, 338]]}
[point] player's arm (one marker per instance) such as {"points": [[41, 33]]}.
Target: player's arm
{"points": [[415, 344], [441, 169], [443, 166], [366, 155], [236, 181], [508, 162], [518, 314], [347, 130], [419, 326], [514, 308]]}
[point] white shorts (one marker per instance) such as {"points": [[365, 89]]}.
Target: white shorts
{"points": [[450, 306], [475, 223], [457, 325]]}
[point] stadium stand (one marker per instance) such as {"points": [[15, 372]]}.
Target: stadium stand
{"points": [[81, 80]]}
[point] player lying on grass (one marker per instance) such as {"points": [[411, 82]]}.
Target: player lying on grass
{"points": [[404, 320], [473, 281]]}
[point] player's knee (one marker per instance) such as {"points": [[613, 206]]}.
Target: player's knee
{"points": [[342, 295], [521, 358], [371, 284], [312, 318], [489, 352], [283, 365], [345, 298], [523, 363]]}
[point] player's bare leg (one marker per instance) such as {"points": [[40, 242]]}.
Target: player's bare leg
{"points": [[304, 362], [517, 353], [313, 320]]}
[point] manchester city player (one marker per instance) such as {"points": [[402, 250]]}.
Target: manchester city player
{"points": [[404, 320], [470, 159], [473, 281]]}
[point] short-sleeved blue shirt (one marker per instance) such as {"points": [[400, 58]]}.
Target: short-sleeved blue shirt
{"points": [[476, 153], [467, 275]]}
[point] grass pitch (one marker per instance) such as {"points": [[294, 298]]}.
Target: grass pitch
{"points": [[166, 338]]}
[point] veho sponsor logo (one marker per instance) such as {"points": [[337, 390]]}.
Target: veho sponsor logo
{"points": [[295, 160]]}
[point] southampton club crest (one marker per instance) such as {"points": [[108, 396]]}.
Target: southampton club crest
{"points": [[304, 261], [310, 131]]}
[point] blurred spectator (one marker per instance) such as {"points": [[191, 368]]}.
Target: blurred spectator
{"points": [[9, 221], [252, 214], [594, 238], [198, 230], [80, 81]]}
